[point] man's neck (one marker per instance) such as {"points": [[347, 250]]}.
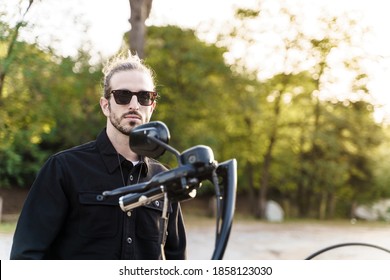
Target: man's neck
{"points": [[121, 144]]}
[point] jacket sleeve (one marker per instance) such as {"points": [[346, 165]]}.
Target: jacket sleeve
{"points": [[42, 215], [175, 246]]}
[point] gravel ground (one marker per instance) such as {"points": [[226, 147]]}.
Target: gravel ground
{"points": [[254, 240], [293, 241], [5, 245]]}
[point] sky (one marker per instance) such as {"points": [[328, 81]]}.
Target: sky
{"points": [[108, 21]]}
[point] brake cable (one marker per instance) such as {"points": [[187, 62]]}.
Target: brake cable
{"points": [[344, 245]]}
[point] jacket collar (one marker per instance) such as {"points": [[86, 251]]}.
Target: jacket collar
{"points": [[110, 156]]}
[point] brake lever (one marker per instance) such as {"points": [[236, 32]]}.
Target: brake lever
{"points": [[159, 179], [178, 190]]}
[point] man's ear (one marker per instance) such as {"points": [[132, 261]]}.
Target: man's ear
{"points": [[153, 106], [105, 106]]}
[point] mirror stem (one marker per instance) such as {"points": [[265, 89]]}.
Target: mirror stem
{"points": [[166, 146]]}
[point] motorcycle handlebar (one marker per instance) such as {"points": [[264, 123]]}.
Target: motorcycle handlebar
{"points": [[179, 183]]}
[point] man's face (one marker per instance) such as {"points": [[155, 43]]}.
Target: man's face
{"points": [[125, 117]]}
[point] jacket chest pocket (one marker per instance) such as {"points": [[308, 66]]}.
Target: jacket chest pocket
{"points": [[149, 220], [98, 216]]}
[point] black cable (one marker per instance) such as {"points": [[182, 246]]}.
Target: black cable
{"points": [[344, 245]]}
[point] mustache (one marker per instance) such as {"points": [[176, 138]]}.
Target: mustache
{"points": [[132, 113]]}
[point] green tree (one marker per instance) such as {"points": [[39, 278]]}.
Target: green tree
{"points": [[305, 65], [201, 97], [195, 85], [49, 103], [139, 12], [9, 41]]}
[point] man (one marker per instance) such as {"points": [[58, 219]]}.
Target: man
{"points": [[66, 217]]}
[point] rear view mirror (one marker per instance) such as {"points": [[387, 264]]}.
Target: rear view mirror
{"points": [[148, 139]]}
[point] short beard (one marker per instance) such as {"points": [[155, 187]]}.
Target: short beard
{"points": [[116, 122]]}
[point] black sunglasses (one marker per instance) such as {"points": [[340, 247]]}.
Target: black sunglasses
{"points": [[124, 96]]}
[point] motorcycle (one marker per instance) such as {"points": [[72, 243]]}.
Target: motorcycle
{"points": [[195, 165]]}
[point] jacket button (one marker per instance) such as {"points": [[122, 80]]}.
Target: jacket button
{"points": [[129, 240], [131, 177], [157, 203]]}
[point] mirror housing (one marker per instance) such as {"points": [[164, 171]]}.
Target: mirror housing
{"points": [[146, 139]]}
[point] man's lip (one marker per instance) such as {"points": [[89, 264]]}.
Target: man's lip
{"points": [[132, 116]]}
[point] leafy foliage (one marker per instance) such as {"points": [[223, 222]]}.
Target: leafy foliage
{"points": [[48, 103], [317, 155]]}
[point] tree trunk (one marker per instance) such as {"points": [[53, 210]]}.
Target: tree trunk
{"points": [[331, 205], [322, 206], [265, 172], [10, 48], [264, 182], [251, 182], [139, 12]]}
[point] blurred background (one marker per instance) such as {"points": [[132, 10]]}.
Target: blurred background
{"points": [[295, 90]]}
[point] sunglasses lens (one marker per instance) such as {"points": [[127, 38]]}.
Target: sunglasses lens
{"points": [[144, 98], [122, 98]]}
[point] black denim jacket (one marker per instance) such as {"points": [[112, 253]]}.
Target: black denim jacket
{"points": [[65, 217]]}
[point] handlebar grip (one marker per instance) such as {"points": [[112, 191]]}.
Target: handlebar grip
{"points": [[134, 200]]}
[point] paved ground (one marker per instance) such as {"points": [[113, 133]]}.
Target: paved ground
{"points": [[254, 240], [5, 245], [292, 241]]}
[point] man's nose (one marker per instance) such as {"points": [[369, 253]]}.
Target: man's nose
{"points": [[134, 105]]}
